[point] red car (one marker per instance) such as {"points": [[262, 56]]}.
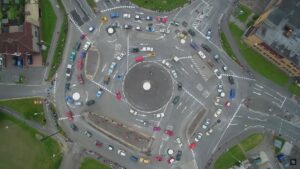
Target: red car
{"points": [[80, 79], [69, 114], [169, 133], [156, 128], [192, 146], [79, 64], [171, 160], [118, 95], [98, 143], [162, 19], [158, 158], [83, 36], [227, 104], [139, 58]]}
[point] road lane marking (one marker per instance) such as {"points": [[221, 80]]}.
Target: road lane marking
{"points": [[256, 93], [258, 119]]}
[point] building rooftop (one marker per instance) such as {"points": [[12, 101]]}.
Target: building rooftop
{"points": [[281, 30]]}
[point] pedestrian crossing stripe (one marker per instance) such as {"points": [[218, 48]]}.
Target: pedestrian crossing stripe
{"points": [[239, 77]]}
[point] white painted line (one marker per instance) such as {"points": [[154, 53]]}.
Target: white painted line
{"points": [[256, 93], [179, 105], [104, 67], [258, 119]]}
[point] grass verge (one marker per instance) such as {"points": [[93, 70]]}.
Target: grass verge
{"points": [[242, 13], [90, 163], [160, 5], [30, 108], [226, 46], [48, 20], [257, 61], [58, 54], [21, 148], [236, 154], [294, 88], [92, 3]]}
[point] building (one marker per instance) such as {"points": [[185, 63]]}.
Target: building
{"points": [[276, 35]]}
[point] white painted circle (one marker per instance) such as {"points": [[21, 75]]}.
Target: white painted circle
{"points": [[76, 96], [182, 41], [170, 151], [110, 30], [147, 85]]}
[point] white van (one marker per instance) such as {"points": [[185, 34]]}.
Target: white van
{"points": [[201, 54], [176, 59]]}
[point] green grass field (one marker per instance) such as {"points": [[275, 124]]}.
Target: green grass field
{"points": [[90, 163], [20, 148], [160, 5], [251, 141], [235, 153], [58, 54], [295, 89], [257, 61], [242, 13], [231, 157], [226, 46], [27, 108], [48, 21]]}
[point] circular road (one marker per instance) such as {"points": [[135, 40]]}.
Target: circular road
{"points": [[147, 86]]}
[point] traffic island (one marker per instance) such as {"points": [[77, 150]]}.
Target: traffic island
{"points": [[195, 122], [120, 132]]}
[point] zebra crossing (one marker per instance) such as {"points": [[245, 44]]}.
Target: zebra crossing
{"points": [[117, 7], [239, 77], [197, 64]]}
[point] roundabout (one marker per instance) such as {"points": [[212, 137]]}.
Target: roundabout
{"points": [[147, 86]]}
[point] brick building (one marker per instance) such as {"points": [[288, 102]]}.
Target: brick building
{"points": [[276, 35]]}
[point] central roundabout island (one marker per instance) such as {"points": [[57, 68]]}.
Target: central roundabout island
{"points": [[148, 86]]}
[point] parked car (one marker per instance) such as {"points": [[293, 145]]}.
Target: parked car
{"points": [[80, 79], [218, 112], [77, 46], [191, 32], [139, 58], [90, 102], [166, 63], [208, 34], [174, 74], [176, 99], [79, 63], [232, 94], [134, 158], [114, 15], [198, 137], [209, 132], [206, 48], [206, 124], [230, 79], [137, 17], [118, 95], [178, 155], [201, 54], [91, 29], [178, 141], [133, 112], [194, 46], [121, 55], [72, 56], [86, 45], [162, 19], [87, 133], [99, 92], [110, 147], [69, 115]]}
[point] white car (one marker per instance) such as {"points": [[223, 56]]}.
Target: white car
{"points": [[91, 29], [218, 74], [133, 112], [138, 28], [178, 141], [69, 70], [86, 45], [122, 54], [137, 17], [218, 112], [126, 15], [166, 31], [206, 123], [174, 73], [159, 115], [121, 153], [198, 137], [164, 62], [110, 147], [146, 49], [201, 54], [225, 68], [209, 132], [220, 88], [176, 59]]}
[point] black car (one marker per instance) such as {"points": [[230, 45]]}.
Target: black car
{"points": [[90, 102], [179, 86], [127, 26], [176, 99], [178, 155], [230, 79], [68, 86], [135, 50], [206, 48], [106, 79], [77, 46], [191, 32], [73, 127], [133, 158]]}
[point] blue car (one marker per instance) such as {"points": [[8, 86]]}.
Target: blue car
{"points": [[69, 99], [194, 45], [72, 56], [232, 94], [99, 93], [150, 29], [114, 15], [82, 54]]}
